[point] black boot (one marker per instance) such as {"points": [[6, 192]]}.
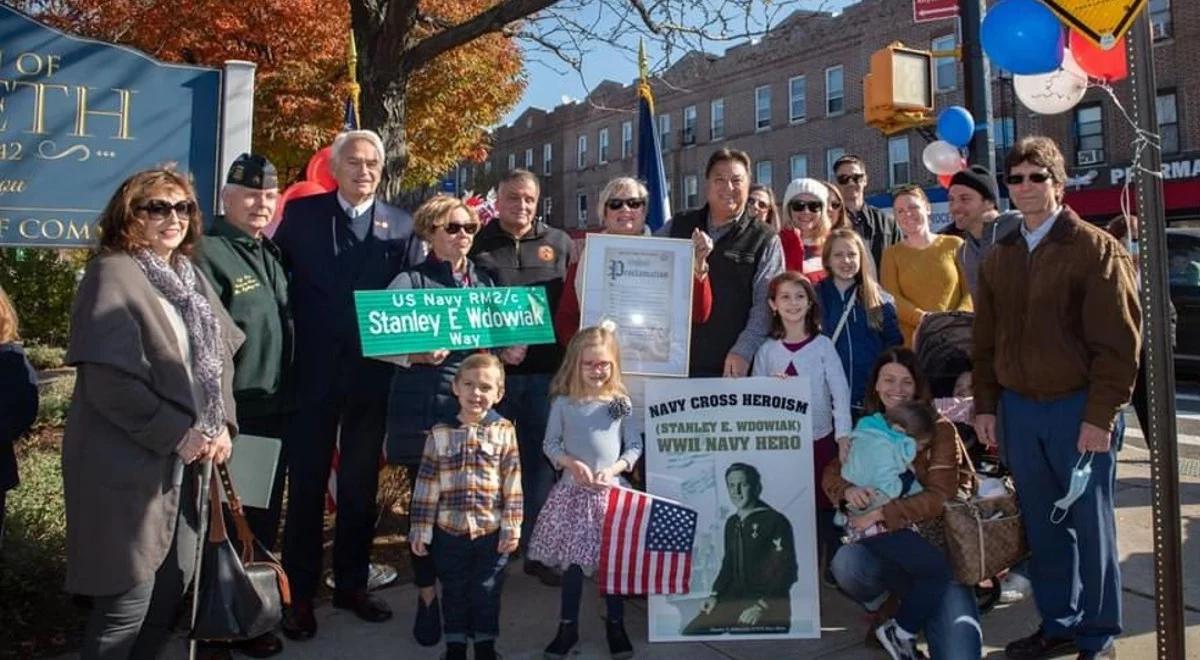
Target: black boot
{"points": [[486, 650], [619, 646], [455, 651], [564, 641]]}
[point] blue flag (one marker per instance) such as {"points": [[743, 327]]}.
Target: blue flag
{"points": [[649, 161], [350, 118]]}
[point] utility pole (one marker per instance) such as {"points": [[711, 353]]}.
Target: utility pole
{"points": [[977, 82], [1157, 354]]}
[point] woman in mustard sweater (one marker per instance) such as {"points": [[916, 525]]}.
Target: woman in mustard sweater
{"points": [[922, 272]]}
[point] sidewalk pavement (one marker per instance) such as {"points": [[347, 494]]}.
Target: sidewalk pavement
{"points": [[529, 612]]}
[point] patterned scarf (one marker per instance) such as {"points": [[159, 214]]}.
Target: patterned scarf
{"points": [[177, 283]]}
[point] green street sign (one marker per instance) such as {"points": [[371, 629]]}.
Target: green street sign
{"points": [[400, 321]]}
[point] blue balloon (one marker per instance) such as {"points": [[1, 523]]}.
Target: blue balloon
{"points": [[1023, 37], [956, 126]]}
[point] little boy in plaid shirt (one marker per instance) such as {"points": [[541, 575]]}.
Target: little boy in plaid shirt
{"points": [[467, 505]]}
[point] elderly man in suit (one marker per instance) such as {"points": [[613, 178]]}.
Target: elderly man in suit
{"points": [[334, 244]]}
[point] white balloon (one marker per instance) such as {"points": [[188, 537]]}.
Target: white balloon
{"points": [[941, 157], [1055, 92]]}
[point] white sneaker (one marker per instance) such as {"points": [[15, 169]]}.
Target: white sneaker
{"points": [[1014, 588], [897, 645]]}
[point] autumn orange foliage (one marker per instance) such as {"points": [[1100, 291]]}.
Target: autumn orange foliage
{"points": [[302, 78]]}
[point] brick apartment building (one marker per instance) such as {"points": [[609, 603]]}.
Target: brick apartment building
{"points": [[794, 101]]}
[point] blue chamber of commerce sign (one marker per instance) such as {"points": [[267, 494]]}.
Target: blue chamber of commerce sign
{"points": [[78, 116]]}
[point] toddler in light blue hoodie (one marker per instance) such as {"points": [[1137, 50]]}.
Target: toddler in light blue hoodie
{"points": [[882, 448]]}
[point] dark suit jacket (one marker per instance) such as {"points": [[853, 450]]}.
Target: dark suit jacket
{"points": [[18, 407], [326, 325]]}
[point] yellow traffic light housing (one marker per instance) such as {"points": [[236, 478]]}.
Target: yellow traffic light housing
{"points": [[898, 91]]}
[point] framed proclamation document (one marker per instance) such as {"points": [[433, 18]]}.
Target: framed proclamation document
{"points": [[644, 285]]}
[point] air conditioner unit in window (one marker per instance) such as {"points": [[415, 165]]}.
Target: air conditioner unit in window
{"points": [[1159, 30], [1089, 156]]}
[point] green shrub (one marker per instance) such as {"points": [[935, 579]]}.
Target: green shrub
{"points": [[45, 357], [54, 398], [41, 283]]}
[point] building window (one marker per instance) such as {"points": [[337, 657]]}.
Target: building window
{"points": [[835, 90], [603, 141], [689, 125], [512, 162], [1160, 19], [1004, 138], [798, 166], [626, 139], [1089, 135], [582, 220], [831, 157], [581, 153], [797, 100], [762, 107], [1168, 121], [763, 172], [716, 127], [691, 191], [529, 159], [898, 161], [547, 157], [664, 131], [487, 167], [547, 208], [945, 68]]}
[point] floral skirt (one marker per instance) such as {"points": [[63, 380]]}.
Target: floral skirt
{"points": [[568, 527]]}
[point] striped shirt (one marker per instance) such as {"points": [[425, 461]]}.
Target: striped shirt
{"points": [[469, 482]]}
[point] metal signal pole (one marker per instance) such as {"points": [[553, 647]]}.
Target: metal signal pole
{"points": [[977, 83]]}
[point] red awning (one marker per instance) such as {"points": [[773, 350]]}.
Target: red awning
{"points": [[1183, 195]]}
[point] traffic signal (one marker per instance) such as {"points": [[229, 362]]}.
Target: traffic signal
{"points": [[898, 90]]}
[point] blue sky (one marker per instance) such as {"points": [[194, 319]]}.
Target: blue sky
{"points": [[551, 80]]}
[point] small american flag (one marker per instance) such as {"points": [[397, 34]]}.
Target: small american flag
{"points": [[645, 545]]}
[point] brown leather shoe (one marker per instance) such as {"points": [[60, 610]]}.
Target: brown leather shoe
{"points": [[364, 605], [299, 623]]}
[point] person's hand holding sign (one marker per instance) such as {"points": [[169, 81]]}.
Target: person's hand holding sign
{"points": [[432, 358], [513, 355]]}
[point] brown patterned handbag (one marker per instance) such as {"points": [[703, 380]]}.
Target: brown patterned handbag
{"points": [[984, 537]]}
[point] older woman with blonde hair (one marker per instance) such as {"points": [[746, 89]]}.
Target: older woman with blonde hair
{"points": [[152, 349], [922, 272], [805, 204]]}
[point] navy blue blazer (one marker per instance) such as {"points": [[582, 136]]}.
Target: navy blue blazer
{"points": [[18, 407], [326, 327]]}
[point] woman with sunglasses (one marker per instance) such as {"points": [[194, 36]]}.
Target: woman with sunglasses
{"points": [[152, 349], [805, 204], [762, 204], [421, 395], [838, 217], [922, 272]]}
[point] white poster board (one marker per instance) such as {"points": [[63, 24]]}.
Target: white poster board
{"points": [[739, 452]]}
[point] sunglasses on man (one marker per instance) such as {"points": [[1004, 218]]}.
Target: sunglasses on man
{"points": [[633, 204], [798, 205], [161, 208], [453, 228], [846, 179], [1035, 177]]}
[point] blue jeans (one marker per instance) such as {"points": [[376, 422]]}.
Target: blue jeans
{"points": [[472, 575], [526, 404], [926, 570], [952, 630], [1074, 567]]}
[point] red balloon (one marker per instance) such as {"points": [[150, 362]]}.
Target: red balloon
{"points": [[1108, 65], [318, 170], [294, 191], [944, 179]]}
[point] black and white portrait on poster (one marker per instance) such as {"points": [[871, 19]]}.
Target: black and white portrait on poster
{"points": [[739, 452]]}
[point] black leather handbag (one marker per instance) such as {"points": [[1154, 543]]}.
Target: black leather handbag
{"points": [[241, 596]]}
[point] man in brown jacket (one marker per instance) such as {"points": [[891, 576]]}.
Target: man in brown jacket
{"points": [[1056, 350]]}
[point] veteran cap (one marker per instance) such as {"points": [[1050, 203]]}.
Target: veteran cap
{"points": [[253, 171]]}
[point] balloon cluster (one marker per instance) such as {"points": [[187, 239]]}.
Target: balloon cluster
{"points": [[1050, 64], [318, 178], [944, 157]]}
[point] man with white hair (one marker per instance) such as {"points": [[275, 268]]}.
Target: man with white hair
{"points": [[334, 244]]}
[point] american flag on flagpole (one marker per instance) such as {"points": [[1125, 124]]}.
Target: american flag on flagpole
{"points": [[645, 544]]}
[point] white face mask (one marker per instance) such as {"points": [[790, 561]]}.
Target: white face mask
{"points": [[1080, 476], [1133, 249]]}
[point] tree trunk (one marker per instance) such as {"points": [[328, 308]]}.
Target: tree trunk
{"points": [[383, 77], [383, 110]]}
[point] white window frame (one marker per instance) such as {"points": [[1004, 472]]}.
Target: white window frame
{"points": [[797, 102], [798, 166], [547, 208], [899, 161], [762, 108], [832, 154], [512, 162], [691, 191], [581, 209], [840, 97], [689, 124], [581, 151], [1162, 24], [716, 119], [529, 159], [626, 139], [547, 157], [764, 166], [664, 131], [602, 148], [944, 42]]}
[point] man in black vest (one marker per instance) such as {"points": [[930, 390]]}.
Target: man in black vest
{"points": [[746, 255], [877, 229], [334, 244]]}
